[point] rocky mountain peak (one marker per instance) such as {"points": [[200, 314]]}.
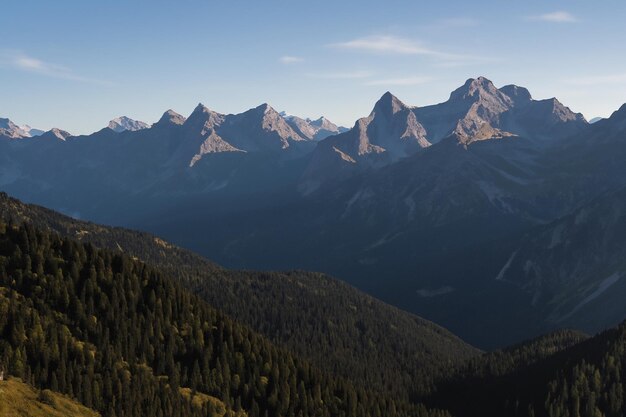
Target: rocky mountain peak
{"points": [[203, 119], [7, 124], [170, 117], [123, 123], [561, 112], [270, 120], [519, 95], [324, 123], [319, 122], [473, 88], [388, 105], [31, 131], [267, 112], [318, 129], [482, 105], [56, 134], [260, 129], [200, 109], [265, 108], [11, 130]]}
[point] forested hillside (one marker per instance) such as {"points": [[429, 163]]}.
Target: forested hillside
{"points": [[564, 374], [115, 334], [326, 321], [125, 339]]}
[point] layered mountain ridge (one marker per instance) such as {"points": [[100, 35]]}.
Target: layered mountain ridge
{"points": [[206, 151], [317, 129], [259, 129], [422, 207], [11, 130], [475, 111]]}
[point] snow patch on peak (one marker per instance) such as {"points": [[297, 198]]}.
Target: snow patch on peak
{"points": [[31, 131], [13, 131]]}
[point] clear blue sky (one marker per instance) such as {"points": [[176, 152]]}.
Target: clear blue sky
{"points": [[77, 64]]}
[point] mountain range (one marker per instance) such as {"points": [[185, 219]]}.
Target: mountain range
{"points": [[8, 129], [475, 111], [493, 214]]}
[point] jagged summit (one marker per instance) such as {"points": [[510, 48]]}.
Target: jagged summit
{"points": [[264, 113], [170, 117], [270, 118], [7, 124], [475, 111], [201, 109], [519, 95], [317, 129], [474, 87], [562, 112], [324, 123], [32, 132], [482, 92], [55, 134], [390, 132], [10, 130], [389, 104], [261, 128], [123, 123], [266, 108], [203, 119]]}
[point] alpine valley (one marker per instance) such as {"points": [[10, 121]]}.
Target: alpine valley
{"points": [[481, 213], [479, 243]]}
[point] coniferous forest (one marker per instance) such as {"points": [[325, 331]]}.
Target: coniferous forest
{"points": [[126, 338], [122, 339], [332, 325]]}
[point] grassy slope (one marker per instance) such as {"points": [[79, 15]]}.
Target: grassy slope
{"points": [[18, 399]]}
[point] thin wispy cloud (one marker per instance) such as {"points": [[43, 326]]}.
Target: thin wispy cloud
{"points": [[608, 79], [289, 59], [348, 75], [394, 45], [386, 45], [556, 17], [402, 81], [25, 63]]}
